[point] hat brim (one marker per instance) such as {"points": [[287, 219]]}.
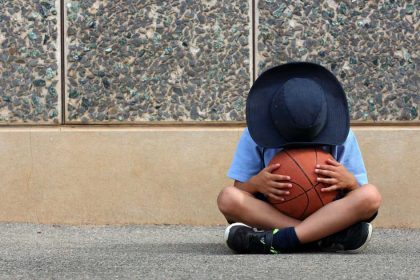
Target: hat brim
{"points": [[258, 106]]}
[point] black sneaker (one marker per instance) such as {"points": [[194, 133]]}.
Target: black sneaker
{"points": [[246, 240], [351, 240]]}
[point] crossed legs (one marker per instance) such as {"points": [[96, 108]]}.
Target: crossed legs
{"points": [[360, 204]]}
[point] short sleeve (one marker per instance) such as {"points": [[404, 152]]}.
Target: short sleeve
{"points": [[247, 159], [350, 156]]}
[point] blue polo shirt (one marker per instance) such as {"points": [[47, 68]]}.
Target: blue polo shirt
{"points": [[248, 159]]}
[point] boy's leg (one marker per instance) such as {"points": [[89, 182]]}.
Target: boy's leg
{"points": [[360, 204], [241, 206]]}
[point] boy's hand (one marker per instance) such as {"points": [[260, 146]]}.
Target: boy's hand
{"points": [[338, 177], [274, 186]]}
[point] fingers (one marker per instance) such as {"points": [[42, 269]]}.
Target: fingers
{"points": [[278, 194], [329, 181], [333, 162], [280, 185], [278, 177], [275, 177], [272, 167], [327, 173], [325, 167], [275, 197], [330, 188]]}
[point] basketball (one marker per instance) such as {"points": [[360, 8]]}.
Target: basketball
{"points": [[305, 195]]}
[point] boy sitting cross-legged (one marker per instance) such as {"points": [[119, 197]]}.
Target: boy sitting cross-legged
{"points": [[297, 104]]}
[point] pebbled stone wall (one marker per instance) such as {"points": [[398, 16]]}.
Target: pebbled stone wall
{"points": [[29, 62], [371, 46], [193, 61], [131, 61]]}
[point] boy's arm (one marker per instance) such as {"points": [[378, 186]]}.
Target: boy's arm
{"points": [[274, 186], [349, 171], [337, 177], [350, 156], [245, 186], [246, 169]]}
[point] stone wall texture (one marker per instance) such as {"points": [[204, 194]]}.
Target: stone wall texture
{"points": [[29, 62], [157, 60], [371, 46], [194, 61]]}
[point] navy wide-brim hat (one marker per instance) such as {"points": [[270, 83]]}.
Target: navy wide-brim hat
{"points": [[298, 103]]}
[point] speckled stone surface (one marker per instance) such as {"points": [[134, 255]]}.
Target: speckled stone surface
{"points": [[372, 47], [29, 62], [136, 61]]}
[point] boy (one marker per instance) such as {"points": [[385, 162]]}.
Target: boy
{"points": [[297, 104]]}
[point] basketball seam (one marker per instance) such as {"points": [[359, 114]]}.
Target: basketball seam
{"points": [[304, 193], [309, 180], [313, 187], [301, 169]]}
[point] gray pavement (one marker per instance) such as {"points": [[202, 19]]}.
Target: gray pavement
{"points": [[182, 252]]}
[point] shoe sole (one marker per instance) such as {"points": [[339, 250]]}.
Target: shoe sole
{"points": [[227, 230], [361, 248]]}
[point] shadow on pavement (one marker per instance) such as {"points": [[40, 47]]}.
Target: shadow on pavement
{"points": [[173, 248]]}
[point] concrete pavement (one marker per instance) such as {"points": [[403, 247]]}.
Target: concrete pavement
{"points": [[181, 252]]}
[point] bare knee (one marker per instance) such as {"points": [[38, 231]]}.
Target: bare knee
{"points": [[228, 200], [369, 201]]}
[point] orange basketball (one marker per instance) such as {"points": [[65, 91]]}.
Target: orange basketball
{"points": [[305, 195]]}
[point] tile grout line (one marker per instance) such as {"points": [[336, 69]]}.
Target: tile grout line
{"points": [[254, 45], [63, 53]]}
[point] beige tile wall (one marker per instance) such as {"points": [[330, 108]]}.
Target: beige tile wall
{"points": [[138, 175]]}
